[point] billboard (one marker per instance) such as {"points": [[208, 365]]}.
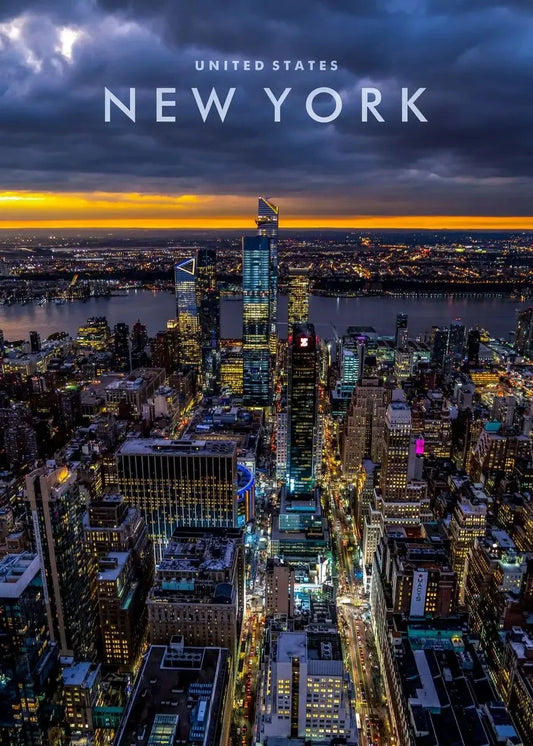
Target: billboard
{"points": [[418, 595]]}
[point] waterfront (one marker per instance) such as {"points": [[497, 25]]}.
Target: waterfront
{"points": [[497, 315]]}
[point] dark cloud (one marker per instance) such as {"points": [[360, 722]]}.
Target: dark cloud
{"points": [[475, 154]]}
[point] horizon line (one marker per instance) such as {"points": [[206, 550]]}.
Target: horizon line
{"points": [[364, 222]]}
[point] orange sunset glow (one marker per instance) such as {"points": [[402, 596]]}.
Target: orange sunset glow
{"points": [[28, 209]]}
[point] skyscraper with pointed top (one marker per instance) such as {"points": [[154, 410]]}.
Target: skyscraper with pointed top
{"points": [[267, 225], [187, 313], [256, 321]]}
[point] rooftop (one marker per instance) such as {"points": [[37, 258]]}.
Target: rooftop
{"points": [[140, 446]]}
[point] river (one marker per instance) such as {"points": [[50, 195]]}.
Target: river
{"points": [[497, 315]]}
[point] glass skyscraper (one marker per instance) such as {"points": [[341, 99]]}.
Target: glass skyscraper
{"points": [[208, 304], [187, 312], [302, 409], [267, 225], [256, 288]]}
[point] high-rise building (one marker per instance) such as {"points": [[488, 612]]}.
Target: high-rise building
{"points": [[456, 341], [208, 303], [116, 536], [56, 506], [279, 589], [439, 345], [35, 342], [298, 296], [198, 590], [179, 483], [362, 436], [401, 335], [468, 523], [302, 414], [306, 691], [122, 347], [256, 267], [472, 347], [231, 366], [267, 225], [523, 340], [396, 448], [139, 340], [187, 312], [28, 659]]}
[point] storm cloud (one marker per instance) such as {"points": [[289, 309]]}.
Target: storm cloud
{"points": [[473, 156]]}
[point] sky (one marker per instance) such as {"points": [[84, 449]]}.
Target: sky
{"points": [[470, 165]]}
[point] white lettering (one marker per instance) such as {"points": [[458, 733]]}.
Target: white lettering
{"points": [[317, 117], [204, 109], [160, 103], [277, 101], [368, 104], [110, 98], [408, 103]]}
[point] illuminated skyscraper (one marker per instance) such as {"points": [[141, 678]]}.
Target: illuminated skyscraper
{"points": [[302, 409], [456, 341], [179, 483], [187, 312], [56, 506], [208, 304], [267, 225], [298, 296], [256, 321]]}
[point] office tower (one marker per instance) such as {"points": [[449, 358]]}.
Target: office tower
{"points": [[279, 589], [298, 296], [256, 321], [231, 366], [187, 312], [198, 590], [396, 448], [179, 483], [281, 446], [523, 340], [456, 341], [208, 302], [468, 523], [305, 691], [439, 345], [95, 335], [494, 585], [28, 659], [267, 225], [400, 337], [160, 352], [57, 506], [302, 413], [35, 342], [472, 347], [362, 435], [116, 536], [139, 340], [121, 357], [19, 439]]}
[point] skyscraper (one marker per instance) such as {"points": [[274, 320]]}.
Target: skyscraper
{"points": [[267, 225], [179, 483], [456, 341], [139, 340], [256, 321], [523, 341], [121, 356], [57, 506], [208, 303], [298, 296], [401, 331], [27, 657], [302, 409], [187, 312], [35, 342]]}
